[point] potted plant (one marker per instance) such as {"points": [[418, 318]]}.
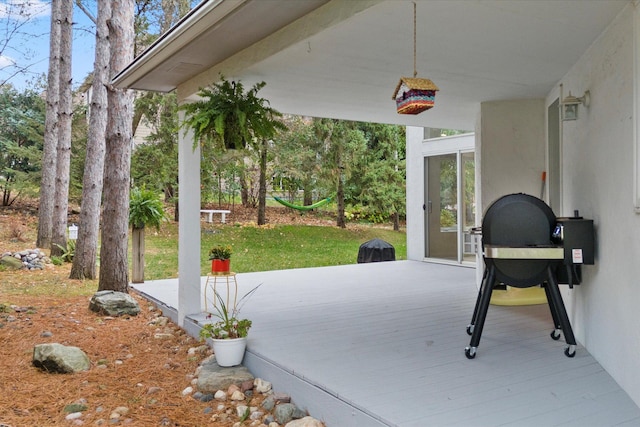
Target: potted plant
{"points": [[220, 257], [228, 335]]}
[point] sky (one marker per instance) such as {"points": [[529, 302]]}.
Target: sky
{"points": [[24, 41]]}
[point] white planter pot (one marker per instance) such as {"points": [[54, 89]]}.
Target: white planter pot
{"points": [[229, 352]]}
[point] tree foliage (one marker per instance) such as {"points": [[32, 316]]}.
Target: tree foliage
{"points": [[21, 135], [297, 163], [154, 164], [381, 181], [343, 145]]}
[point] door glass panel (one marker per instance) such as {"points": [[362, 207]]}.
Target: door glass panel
{"points": [[442, 207], [468, 206]]}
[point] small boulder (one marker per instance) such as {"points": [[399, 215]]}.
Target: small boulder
{"points": [[11, 262], [112, 303], [212, 377], [287, 412], [56, 357]]}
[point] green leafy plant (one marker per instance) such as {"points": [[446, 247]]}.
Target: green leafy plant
{"points": [[145, 208], [229, 325], [220, 252], [69, 252]]}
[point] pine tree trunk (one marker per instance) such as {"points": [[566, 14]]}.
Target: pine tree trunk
{"points": [[84, 261], [113, 250], [244, 189], [49, 155], [307, 196], [137, 251], [340, 221], [65, 112], [262, 189]]}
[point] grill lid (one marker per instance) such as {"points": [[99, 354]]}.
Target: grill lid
{"points": [[518, 221]]}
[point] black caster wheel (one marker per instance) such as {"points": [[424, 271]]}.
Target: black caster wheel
{"points": [[470, 352], [555, 334], [470, 330], [570, 351]]}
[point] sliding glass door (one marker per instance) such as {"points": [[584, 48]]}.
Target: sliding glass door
{"points": [[450, 206]]}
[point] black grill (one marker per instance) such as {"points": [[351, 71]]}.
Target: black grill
{"points": [[521, 249]]}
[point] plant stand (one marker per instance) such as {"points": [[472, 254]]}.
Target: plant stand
{"points": [[228, 279]]}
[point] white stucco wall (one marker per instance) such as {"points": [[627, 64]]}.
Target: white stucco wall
{"points": [[598, 178], [512, 148]]}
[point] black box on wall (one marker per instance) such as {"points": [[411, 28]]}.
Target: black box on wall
{"points": [[577, 238]]}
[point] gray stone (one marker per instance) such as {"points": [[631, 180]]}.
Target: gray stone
{"points": [[268, 419], [284, 413], [299, 413], [11, 263], [56, 357], [205, 397], [112, 303], [212, 377], [269, 403]]}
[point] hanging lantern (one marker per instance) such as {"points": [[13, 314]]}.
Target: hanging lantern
{"points": [[414, 95]]}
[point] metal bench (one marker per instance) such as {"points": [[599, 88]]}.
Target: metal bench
{"points": [[210, 212]]}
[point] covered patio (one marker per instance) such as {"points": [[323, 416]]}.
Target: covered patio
{"points": [[382, 344], [504, 68]]}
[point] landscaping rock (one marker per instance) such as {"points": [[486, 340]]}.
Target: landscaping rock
{"points": [[112, 303], [305, 422], [287, 412], [29, 259], [11, 262], [212, 377], [56, 357]]}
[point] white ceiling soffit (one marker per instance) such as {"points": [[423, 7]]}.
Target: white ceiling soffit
{"points": [[474, 50], [213, 31]]}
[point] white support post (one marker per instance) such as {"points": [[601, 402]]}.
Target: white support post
{"points": [[415, 194], [189, 288]]}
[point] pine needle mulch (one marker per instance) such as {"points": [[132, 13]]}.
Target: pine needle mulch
{"points": [[131, 367]]}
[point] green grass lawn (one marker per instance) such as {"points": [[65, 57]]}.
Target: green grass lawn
{"points": [[272, 248]]}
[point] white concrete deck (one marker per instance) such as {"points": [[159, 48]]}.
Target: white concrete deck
{"points": [[382, 344]]}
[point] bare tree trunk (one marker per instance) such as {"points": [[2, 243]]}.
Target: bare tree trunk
{"points": [[65, 112], [113, 252], [137, 250], [244, 189], [307, 195], [84, 261], [49, 155], [396, 221], [340, 222], [262, 190]]}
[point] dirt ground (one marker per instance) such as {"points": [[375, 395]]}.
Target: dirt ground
{"points": [[131, 368]]}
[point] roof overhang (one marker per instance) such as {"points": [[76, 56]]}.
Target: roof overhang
{"points": [[343, 58]]}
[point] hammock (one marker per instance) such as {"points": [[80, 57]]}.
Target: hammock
{"points": [[302, 208]]}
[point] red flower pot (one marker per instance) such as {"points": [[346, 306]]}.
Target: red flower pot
{"points": [[220, 266]]}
